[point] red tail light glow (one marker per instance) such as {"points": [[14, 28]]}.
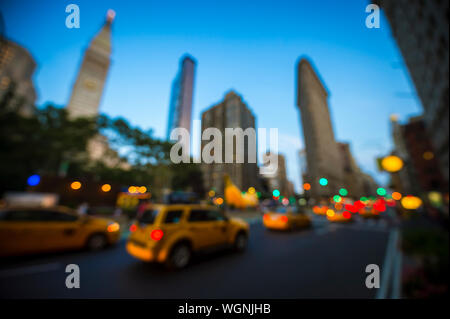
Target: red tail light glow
{"points": [[284, 219], [133, 228], [156, 234], [346, 215]]}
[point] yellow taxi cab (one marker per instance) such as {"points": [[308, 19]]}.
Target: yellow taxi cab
{"points": [[170, 234], [286, 218], [320, 210], [369, 212], [31, 230], [339, 217]]}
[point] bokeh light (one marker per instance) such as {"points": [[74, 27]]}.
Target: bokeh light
{"points": [[411, 202], [33, 180], [381, 191], [75, 185], [132, 189], [428, 156], [392, 163], [330, 213], [343, 192], [142, 189], [307, 186], [396, 195], [276, 193], [323, 181], [106, 188]]}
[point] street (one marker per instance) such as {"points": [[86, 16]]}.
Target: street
{"points": [[325, 261]]}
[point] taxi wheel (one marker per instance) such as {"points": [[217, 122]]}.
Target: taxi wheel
{"points": [[96, 242], [179, 257], [240, 242]]}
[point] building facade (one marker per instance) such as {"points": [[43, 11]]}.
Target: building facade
{"points": [[420, 29], [180, 107], [353, 179], [279, 179], [17, 67], [421, 173], [88, 88], [323, 159], [232, 112]]}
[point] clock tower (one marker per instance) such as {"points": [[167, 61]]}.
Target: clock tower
{"points": [[88, 88]]}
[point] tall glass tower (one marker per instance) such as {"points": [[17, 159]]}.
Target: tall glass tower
{"points": [[180, 108]]}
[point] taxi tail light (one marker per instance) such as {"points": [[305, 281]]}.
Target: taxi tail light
{"points": [[156, 234], [284, 219], [133, 228]]}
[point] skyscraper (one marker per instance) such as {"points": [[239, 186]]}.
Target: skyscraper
{"points": [[322, 154], [232, 112], [421, 31], [180, 108], [17, 66], [353, 179], [278, 180], [88, 88]]}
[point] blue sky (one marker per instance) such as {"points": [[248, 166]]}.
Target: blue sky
{"points": [[249, 46]]}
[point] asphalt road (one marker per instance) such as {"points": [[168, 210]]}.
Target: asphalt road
{"points": [[326, 261]]}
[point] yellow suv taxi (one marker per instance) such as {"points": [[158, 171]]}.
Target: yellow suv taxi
{"points": [[170, 234], [31, 230]]}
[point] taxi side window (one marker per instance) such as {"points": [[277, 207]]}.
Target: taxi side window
{"points": [[215, 215], [53, 216], [198, 215], [173, 217], [203, 215], [25, 216]]}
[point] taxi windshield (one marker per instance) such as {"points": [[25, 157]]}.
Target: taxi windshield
{"points": [[282, 210]]}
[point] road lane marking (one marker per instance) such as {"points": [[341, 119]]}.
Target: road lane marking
{"points": [[388, 264], [29, 270], [397, 280]]}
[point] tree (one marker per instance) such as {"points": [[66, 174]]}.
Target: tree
{"points": [[40, 144]]}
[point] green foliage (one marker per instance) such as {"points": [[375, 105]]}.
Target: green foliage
{"points": [[187, 177], [50, 143], [40, 144], [431, 248]]}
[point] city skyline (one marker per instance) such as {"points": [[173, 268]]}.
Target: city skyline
{"points": [[267, 89]]}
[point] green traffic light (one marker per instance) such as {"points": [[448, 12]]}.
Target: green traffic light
{"points": [[276, 193], [323, 181], [343, 192]]}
